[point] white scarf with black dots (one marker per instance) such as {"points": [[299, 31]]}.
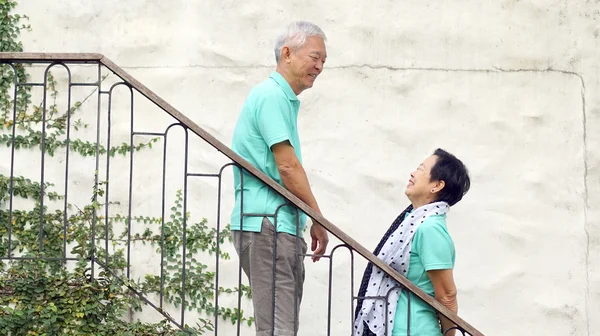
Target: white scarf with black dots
{"points": [[396, 253]]}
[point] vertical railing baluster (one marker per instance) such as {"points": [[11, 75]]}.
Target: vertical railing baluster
{"points": [[274, 278], [219, 177], [239, 303], [218, 256], [329, 291], [298, 275], [386, 303], [107, 182], [217, 252], [67, 148], [12, 161], [185, 186], [162, 220], [43, 147], [351, 289], [408, 299], [130, 197], [330, 284], [95, 196], [108, 158]]}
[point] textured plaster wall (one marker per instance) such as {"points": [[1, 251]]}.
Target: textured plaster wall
{"points": [[508, 86]]}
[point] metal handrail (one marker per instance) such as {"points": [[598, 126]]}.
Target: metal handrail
{"points": [[74, 58]]}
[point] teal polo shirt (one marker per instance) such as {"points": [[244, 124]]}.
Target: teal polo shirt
{"points": [[269, 116], [432, 249]]}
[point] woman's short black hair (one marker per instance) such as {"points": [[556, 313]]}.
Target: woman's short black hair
{"points": [[454, 174]]}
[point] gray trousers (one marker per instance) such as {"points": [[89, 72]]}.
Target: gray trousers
{"points": [[256, 250]]}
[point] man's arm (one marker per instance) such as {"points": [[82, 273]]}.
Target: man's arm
{"points": [[295, 180], [445, 293]]}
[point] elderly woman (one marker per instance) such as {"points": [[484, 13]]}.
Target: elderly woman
{"points": [[417, 246]]}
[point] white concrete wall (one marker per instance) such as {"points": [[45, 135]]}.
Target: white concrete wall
{"points": [[508, 86]]}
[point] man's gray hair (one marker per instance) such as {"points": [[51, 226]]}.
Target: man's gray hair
{"points": [[296, 35]]}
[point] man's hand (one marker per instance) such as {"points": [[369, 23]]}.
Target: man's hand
{"points": [[294, 179], [320, 240]]}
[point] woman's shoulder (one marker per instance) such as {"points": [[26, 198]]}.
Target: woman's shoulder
{"points": [[433, 223], [433, 235], [433, 220]]}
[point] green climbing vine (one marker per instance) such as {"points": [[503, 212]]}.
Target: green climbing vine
{"points": [[50, 297], [11, 26]]}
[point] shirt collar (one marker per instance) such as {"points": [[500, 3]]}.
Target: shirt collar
{"points": [[284, 85]]}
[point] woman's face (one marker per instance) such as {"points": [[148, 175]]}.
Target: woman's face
{"points": [[419, 184]]}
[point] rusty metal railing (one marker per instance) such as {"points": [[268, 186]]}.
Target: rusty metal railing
{"points": [[186, 126]]}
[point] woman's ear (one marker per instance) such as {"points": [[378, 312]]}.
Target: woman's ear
{"points": [[439, 185]]}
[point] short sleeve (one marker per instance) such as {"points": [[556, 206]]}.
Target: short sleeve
{"points": [[271, 119], [435, 247]]}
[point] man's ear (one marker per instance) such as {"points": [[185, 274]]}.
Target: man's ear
{"points": [[286, 52]]}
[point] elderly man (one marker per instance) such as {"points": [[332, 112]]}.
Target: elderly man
{"points": [[266, 135]]}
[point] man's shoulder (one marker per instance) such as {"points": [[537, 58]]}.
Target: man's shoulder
{"points": [[267, 89]]}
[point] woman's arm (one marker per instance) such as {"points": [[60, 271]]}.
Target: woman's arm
{"points": [[445, 293]]}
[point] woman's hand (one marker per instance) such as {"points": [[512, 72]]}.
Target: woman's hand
{"points": [[445, 293]]}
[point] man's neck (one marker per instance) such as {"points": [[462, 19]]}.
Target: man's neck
{"points": [[289, 79]]}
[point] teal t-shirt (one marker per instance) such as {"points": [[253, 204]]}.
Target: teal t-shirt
{"points": [[269, 116], [432, 249]]}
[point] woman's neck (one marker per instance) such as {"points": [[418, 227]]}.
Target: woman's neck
{"points": [[417, 203]]}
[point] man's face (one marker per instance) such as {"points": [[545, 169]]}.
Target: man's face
{"points": [[306, 63]]}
